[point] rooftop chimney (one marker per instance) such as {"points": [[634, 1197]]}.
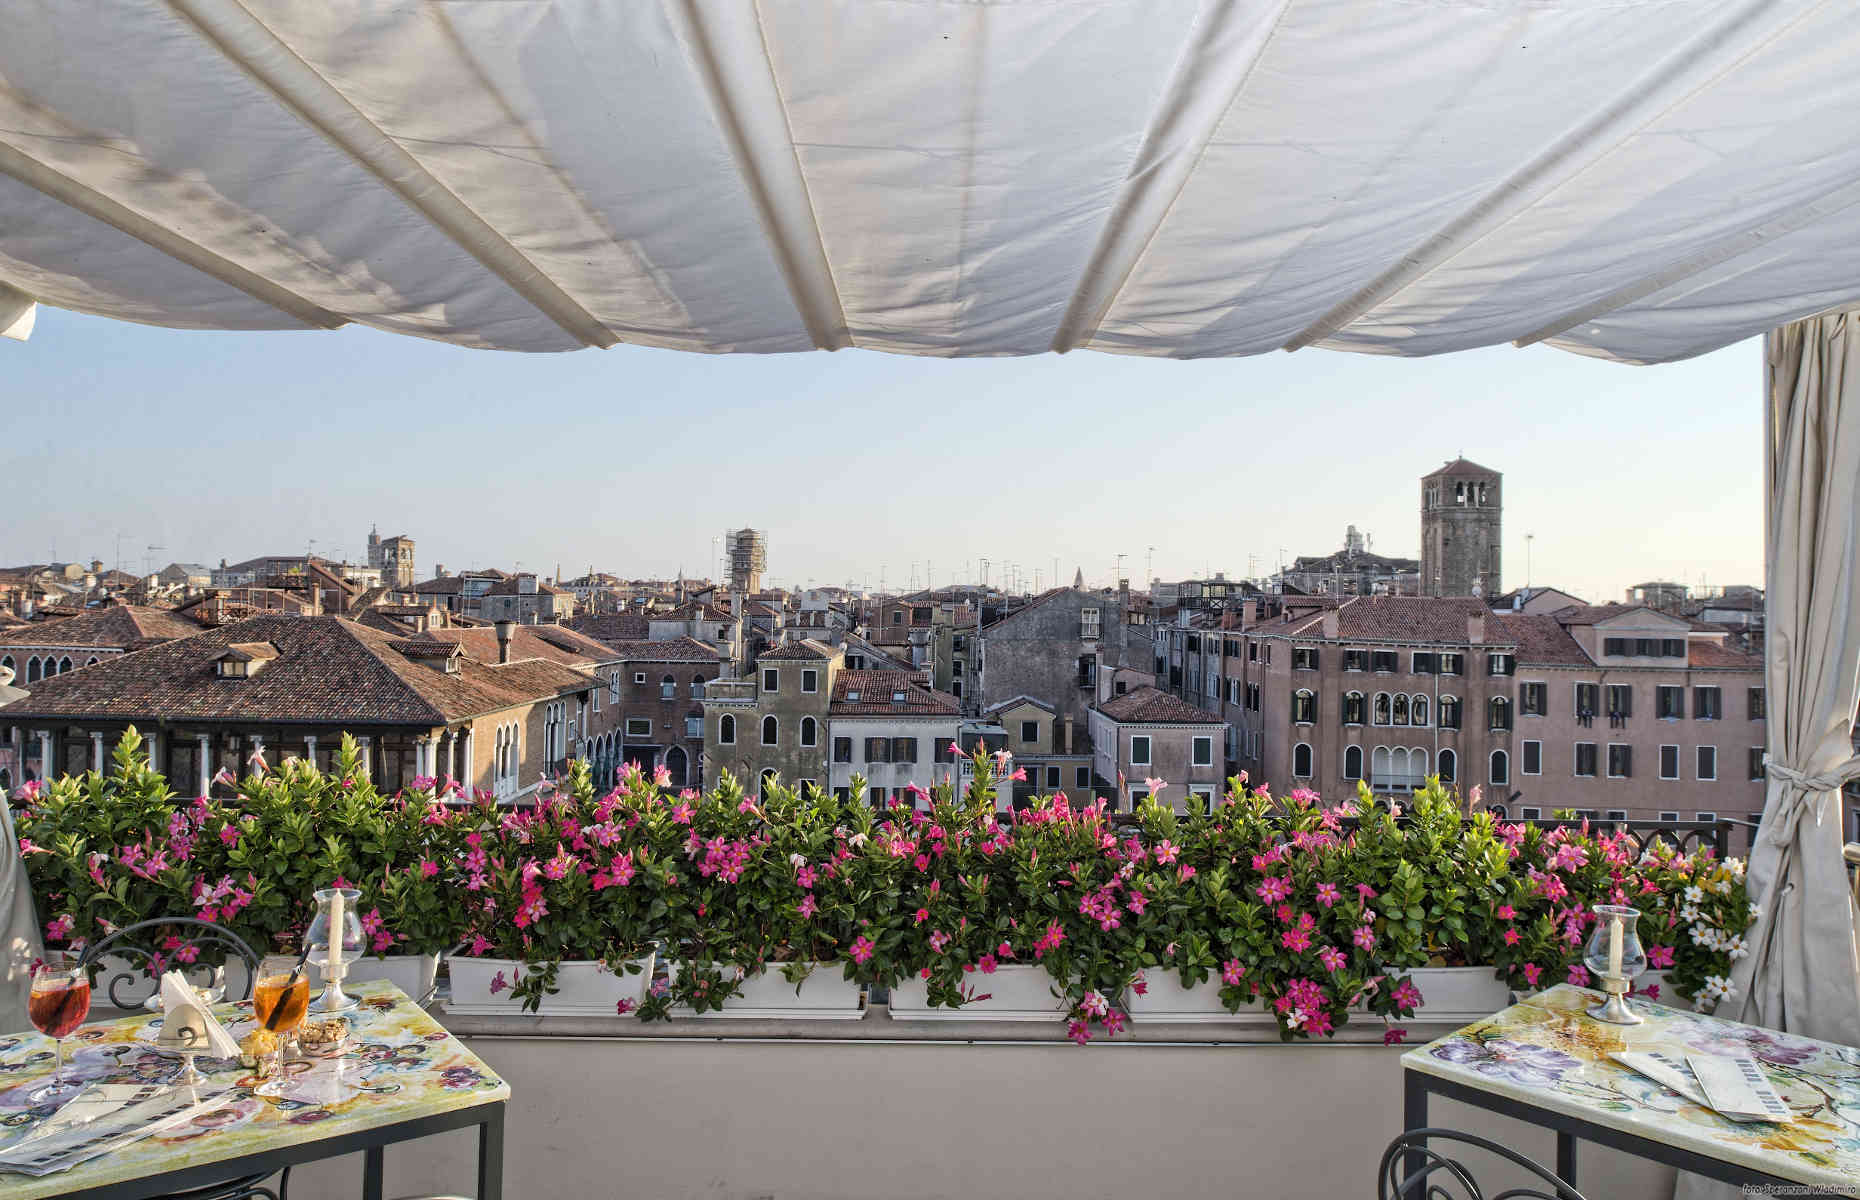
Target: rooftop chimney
{"points": [[1249, 613], [1066, 724], [505, 631], [1475, 629], [1333, 624]]}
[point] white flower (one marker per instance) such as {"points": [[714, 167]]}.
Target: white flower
{"points": [[1694, 894], [1756, 910], [797, 860], [1735, 866], [1689, 914], [1737, 947], [856, 840], [1716, 987], [1724, 887], [1295, 1018]]}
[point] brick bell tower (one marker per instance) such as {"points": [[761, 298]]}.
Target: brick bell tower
{"points": [[1461, 528]]}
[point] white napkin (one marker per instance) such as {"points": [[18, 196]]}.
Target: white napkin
{"points": [[177, 998]]}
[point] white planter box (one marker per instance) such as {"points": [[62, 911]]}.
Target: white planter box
{"points": [[1668, 997], [1165, 1000], [1015, 993], [825, 995], [411, 973], [583, 989], [1459, 995]]}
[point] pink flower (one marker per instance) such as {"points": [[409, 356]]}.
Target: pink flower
{"points": [[428, 869], [1295, 940], [228, 835], [1579, 975], [1049, 940], [1511, 937], [1394, 1035], [808, 907], [1155, 785], [1185, 873], [627, 1004], [1568, 857], [480, 945], [938, 940], [1332, 958], [955, 751], [1506, 912], [1407, 996], [862, 948], [498, 983], [1078, 1031], [1274, 888], [922, 914], [59, 927], [1327, 894], [1136, 902], [1232, 972], [1532, 972], [1364, 937], [987, 963], [1365, 893], [1659, 957], [682, 813], [1166, 852]]}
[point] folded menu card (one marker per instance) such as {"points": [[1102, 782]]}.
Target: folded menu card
{"points": [[1732, 1086], [100, 1118]]}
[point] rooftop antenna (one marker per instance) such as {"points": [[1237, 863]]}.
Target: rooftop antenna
{"points": [[1528, 539], [1149, 567], [1120, 569], [148, 558]]}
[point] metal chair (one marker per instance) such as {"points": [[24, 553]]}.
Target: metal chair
{"points": [[1413, 1170], [192, 931]]}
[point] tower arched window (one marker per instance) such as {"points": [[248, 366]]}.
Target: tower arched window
{"points": [[771, 729], [64, 664], [1399, 703], [810, 731], [1449, 766], [1449, 712], [1353, 762], [1354, 706], [32, 669], [1382, 708], [668, 688], [1301, 760], [1501, 713], [726, 730], [1501, 768], [1417, 710]]}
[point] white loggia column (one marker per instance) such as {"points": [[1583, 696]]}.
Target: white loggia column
{"points": [[96, 751], [365, 745], [206, 763], [466, 776], [45, 754], [310, 750]]}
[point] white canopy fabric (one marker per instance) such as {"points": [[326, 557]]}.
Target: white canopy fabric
{"points": [[1634, 179]]}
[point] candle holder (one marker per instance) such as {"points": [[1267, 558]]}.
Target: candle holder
{"points": [[1615, 957], [334, 939]]}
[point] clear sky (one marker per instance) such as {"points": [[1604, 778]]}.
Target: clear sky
{"points": [[221, 445]]}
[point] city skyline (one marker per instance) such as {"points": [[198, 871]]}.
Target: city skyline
{"points": [[1210, 463]]}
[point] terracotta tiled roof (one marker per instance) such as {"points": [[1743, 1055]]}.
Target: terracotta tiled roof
{"points": [[876, 690], [1403, 619], [1542, 640], [1460, 466], [1709, 655], [1589, 614], [1151, 706], [612, 627], [678, 649], [328, 669], [511, 587], [552, 642], [802, 650], [694, 612], [127, 626], [1016, 702], [449, 585]]}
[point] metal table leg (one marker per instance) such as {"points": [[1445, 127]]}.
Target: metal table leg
{"points": [[1413, 1116], [491, 1156], [374, 1165], [1566, 1157]]}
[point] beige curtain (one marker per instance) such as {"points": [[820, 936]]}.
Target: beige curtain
{"points": [[18, 311], [1803, 970], [19, 929]]}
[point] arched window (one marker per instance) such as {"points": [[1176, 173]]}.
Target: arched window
{"points": [[1382, 708], [668, 688], [1449, 712], [770, 729], [32, 670], [6, 660], [1501, 713], [810, 731], [1379, 767], [64, 664], [1354, 708], [768, 773], [1353, 762], [1501, 768], [1449, 766], [1417, 710], [1417, 766], [697, 687], [1301, 760], [1400, 706], [678, 764], [90, 660], [726, 730], [1304, 707]]}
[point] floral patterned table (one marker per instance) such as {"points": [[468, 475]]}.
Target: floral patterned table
{"points": [[402, 1077], [1547, 1061]]}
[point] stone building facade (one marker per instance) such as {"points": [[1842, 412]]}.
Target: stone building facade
{"points": [[1148, 734], [1052, 648], [1462, 509], [773, 720]]}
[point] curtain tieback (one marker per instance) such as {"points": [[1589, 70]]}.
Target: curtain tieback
{"points": [[1828, 782]]}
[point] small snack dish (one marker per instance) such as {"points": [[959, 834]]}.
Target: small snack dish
{"points": [[324, 1037]]}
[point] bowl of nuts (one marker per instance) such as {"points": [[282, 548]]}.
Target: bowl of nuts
{"points": [[324, 1038]]}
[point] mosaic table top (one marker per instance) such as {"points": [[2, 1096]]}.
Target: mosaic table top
{"points": [[1547, 1051], [400, 1065]]}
